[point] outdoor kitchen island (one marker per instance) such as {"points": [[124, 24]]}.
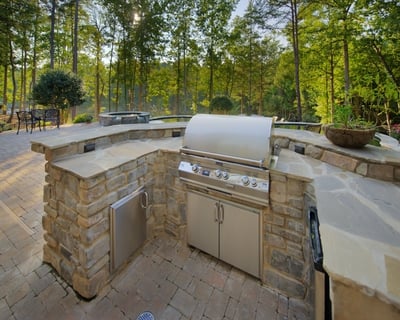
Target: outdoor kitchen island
{"points": [[77, 205]]}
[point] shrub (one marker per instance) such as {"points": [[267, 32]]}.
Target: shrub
{"points": [[221, 104], [4, 126], [58, 89], [83, 117]]}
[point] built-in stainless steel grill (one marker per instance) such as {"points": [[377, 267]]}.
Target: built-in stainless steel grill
{"points": [[228, 154]]}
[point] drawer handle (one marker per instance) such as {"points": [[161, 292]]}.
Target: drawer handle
{"points": [[144, 204]]}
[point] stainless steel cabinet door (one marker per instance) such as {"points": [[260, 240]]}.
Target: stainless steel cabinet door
{"points": [[240, 237], [128, 227], [202, 215]]}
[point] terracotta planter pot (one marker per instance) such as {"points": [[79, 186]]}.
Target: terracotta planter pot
{"points": [[349, 138]]}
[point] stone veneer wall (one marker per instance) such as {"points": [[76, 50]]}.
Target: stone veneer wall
{"points": [[287, 256], [175, 220], [76, 220], [77, 223]]}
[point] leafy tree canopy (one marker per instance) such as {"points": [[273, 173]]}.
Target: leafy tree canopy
{"points": [[221, 104], [58, 89]]}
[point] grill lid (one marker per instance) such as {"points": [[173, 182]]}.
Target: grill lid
{"points": [[241, 139]]}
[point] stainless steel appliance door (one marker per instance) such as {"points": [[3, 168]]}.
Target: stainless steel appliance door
{"points": [[226, 230], [128, 227], [203, 227], [240, 238]]}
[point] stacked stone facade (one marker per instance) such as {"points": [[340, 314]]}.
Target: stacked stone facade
{"points": [[77, 222], [77, 214], [286, 245]]}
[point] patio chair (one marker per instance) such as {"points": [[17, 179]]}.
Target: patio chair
{"points": [[29, 119], [53, 116]]}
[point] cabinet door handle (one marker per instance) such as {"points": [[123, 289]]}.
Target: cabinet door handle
{"points": [[222, 210], [144, 204], [216, 212]]}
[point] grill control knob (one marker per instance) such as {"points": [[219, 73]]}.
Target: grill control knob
{"points": [[195, 168], [253, 182], [218, 173], [245, 180], [225, 175]]}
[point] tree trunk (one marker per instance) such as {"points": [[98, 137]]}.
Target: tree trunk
{"points": [[34, 53], [110, 68], [75, 40], [176, 108], [260, 101], [250, 74], [117, 85], [14, 80], [75, 50], [5, 97], [22, 104], [97, 90], [332, 83], [52, 27], [295, 43], [185, 77], [346, 66], [211, 79]]}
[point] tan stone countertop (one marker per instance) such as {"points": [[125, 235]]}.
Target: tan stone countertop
{"points": [[81, 133], [78, 139], [359, 224], [389, 152], [90, 164]]}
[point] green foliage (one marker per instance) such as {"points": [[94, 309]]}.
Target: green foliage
{"points": [[344, 118], [221, 104], [342, 115], [58, 89], [82, 118], [4, 126], [174, 56]]}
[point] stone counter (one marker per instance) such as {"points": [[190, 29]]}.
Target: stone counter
{"points": [[356, 198], [360, 233], [64, 145], [382, 163]]}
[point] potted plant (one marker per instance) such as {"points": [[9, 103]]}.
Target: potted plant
{"points": [[347, 131]]}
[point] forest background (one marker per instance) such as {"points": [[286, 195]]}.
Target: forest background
{"points": [[294, 59]]}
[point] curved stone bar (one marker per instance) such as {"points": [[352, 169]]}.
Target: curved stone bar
{"points": [[357, 194], [123, 117]]}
